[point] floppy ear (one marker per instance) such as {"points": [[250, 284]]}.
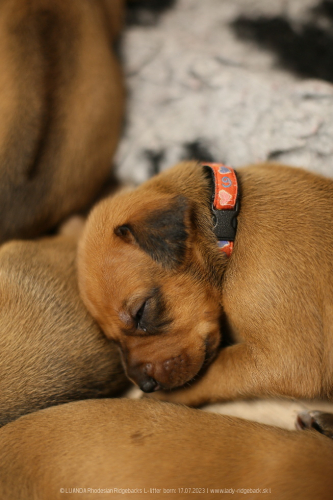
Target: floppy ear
{"points": [[162, 233]]}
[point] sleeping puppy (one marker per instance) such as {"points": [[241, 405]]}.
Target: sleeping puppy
{"points": [[52, 351], [152, 274], [62, 101], [90, 449]]}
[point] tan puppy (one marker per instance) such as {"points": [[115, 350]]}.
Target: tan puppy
{"points": [[152, 275], [61, 100], [131, 449], [51, 349]]}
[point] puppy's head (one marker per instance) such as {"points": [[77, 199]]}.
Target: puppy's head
{"points": [[139, 276]]}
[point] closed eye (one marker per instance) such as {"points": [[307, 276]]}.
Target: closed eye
{"points": [[138, 317], [147, 315]]}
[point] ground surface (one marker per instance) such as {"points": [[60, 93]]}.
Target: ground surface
{"points": [[236, 81]]}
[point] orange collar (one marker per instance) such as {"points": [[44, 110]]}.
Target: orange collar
{"points": [[225, 205]]}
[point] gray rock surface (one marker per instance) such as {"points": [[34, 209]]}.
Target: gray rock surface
{"points": [[191, 78]]}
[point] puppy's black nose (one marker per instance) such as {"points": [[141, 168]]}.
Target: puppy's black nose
{"points": [[148, 385]]}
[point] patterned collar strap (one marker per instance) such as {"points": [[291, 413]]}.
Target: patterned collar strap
{"points": [[225, 204]]}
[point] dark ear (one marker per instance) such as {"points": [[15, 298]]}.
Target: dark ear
{"points": [[162, 233]]}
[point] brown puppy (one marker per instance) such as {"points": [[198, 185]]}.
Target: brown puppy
{"points": [[152, 275], [51, 349], [62, 100], [131, 449]]}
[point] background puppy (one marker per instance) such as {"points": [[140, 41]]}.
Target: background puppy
{"points": [[62, 101], [110, 444], [51, 349], [152, 274]]}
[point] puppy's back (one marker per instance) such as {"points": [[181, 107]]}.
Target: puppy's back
{"points": [[139, 445], [51, 349], [61, 96]]}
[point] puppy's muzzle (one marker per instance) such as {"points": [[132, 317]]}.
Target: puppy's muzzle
{"points": [[165, 374]]}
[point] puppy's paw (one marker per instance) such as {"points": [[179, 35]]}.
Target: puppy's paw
{"points": [[317, 420]]}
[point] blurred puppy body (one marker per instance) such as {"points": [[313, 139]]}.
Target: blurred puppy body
{"points": [[52, 351], [152, 275], [62, 102], [109, 445]]}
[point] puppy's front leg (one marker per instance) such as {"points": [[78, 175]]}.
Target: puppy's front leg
{"points": [[238, 371]]}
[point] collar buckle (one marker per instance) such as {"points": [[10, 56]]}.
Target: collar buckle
{"points": [[225, 222]]}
